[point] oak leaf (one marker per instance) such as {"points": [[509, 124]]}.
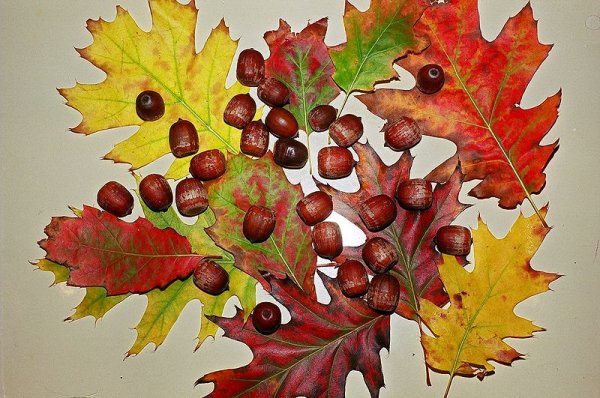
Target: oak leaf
{"points": [[312, 354], [375, 39], [302, 62], [288, 251], [412, 233], [164, 60], [471, 332], [478, 107]]}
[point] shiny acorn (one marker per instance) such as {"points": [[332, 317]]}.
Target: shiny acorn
{"points": [[403, 134], [282, 123], [327, 239], [414, 194], [156, 192], [183, 138], [266, 317], [383, 294], [315, 207], [290, 153], [273, 92], [454, 240], [115, 199], [259, 223], [250, 69], [346, 130], [254, 140], [430, 79], [352, 278], [378, 212], [335, 162], [149, 105], [191, 197], [321, 117], [379, 254], [210, 277], [208, 165], [240, 111]]}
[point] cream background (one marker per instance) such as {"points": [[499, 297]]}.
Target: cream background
{"points": [[44, 168]]}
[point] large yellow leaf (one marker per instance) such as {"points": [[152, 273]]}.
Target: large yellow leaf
{"points": [[164, 60], [470, 333]]}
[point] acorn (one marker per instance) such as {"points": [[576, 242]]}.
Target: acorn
{"points": [[430, 79], [282, 123], [315, 207], [266, 317], [273, 92], [250, 68], [115, 199], [290, 153], [335, 162], [254, 140], [259, 223], [191, 197], [321, 117], [379, 254], [454, 240], [383, 294], [352, 278], [327, 239], [208, 165], [239, 111], [414, 194], [210, 277], [156, 192], [183, 138], [403, 134], [346, 130], [378, 212], [149, 105]]}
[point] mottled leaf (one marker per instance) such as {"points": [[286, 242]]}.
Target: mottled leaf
{"points": [[302, 62], [312, 354], [413, 231], [471, 331], [288, 251], [478, 107]]}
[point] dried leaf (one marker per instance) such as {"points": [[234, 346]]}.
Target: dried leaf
{"points": [[310, 355]]}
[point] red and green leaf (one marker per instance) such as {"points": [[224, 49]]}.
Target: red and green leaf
{"points": [[375, 39], [413, 231], [311, 354], [101, 250], [478, 107], [302, 62], [288, 251]]}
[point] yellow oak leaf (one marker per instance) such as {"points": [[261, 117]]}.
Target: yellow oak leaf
{"points": [[471, 331], [164, 60]]}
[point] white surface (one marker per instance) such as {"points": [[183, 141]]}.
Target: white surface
{"points": [[45, 168]]}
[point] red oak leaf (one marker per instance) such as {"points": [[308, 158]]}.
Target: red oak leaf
{"points": [[312, 354], [413, 231], [101, 250], [478, 107], [302, 62], [288, 250]]}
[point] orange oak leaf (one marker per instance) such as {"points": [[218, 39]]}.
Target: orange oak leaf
{"points": [[478, 107], [471, 332]]}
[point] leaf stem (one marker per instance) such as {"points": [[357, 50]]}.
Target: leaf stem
{"points": [[448, 385]]}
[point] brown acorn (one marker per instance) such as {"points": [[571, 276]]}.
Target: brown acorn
{"points": [[239, 111], [403, 134], [321, 117], [290, 153], [183, 138], [282, 123], [327, 239], [266, 317], [378, 212], [210, 277], [115, 199], [254, 140], [273, 92], [454, 240], [156, 192], [250, 68], [379, 254], [259, 223], [191, 197], [414, 194], [315, 207], [383, 294], [346, 130], [430, 79], [335, 162], [352, 278], [208, 165], [149, 105]]}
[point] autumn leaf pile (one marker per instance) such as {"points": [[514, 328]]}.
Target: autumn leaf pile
{"points": [[464, 316]]}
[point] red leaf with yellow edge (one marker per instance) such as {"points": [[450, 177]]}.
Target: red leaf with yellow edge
{"points": [[478, 107], [301, 61], [101, 250], [471, 332], [312, 354], [288, 251], [412, 232]]}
